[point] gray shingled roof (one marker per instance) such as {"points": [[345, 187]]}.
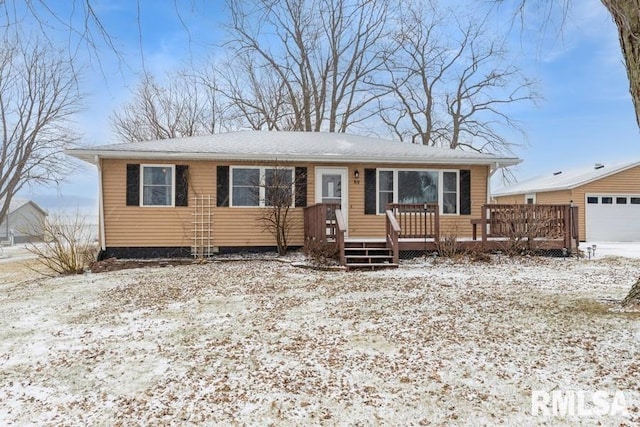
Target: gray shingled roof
{"points": [[563, 180], [288, 146]]}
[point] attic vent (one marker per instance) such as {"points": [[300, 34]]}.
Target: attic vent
{"points": [[557, 173], [598, 166]]}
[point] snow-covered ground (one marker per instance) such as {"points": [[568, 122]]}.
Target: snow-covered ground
{"points": [[603, 249], [434, 342]]}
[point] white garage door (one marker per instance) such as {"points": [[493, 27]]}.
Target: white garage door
{"points": [[613, 218]]}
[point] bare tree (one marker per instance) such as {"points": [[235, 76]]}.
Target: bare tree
{"points": [[321, 51], [257, 98], [450, 90], [277, 186], [38, 96], [184, 107]]}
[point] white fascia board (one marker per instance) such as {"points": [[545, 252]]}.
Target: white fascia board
{"points": [[89, 156]]}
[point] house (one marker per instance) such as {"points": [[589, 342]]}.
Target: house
{"points": [[607, 197], [24, 222], [175, 197]]}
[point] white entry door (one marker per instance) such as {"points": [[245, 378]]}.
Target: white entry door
{"points": [[332, 186]]}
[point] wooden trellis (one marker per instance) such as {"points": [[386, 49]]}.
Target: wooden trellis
{"points": [[202, 222]]}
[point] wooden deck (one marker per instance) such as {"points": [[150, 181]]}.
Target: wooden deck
{"points": [[513, 228]]}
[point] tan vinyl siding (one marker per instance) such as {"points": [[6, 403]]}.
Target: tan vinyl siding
{"points": [[509, 200], [554, 197], [133, 226]]}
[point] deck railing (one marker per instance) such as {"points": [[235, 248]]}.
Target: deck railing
{"points": [[528, 221], [324, 222], [393, 235], [417, 220], [339, 233], [320, 221]]}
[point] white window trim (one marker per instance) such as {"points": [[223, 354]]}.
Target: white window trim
{"points": [[528, 196], [440, 187], [173, 185], [262, 188]]}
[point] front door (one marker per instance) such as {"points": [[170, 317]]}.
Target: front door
{"points": [[331, 187]]}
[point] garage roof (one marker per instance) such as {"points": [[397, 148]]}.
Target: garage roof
{"points": [[561, 180]]}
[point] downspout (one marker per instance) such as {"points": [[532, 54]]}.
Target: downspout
{"points": [[493, 170], [103, 244]]}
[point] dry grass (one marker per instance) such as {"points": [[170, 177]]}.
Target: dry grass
{"points": [[262, 343]]}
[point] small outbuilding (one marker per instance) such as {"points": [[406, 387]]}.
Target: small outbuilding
{"points": [[608, 198], [25, 222]]}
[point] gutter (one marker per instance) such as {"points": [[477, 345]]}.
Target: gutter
{"points": [[101, 228], [86, 155]]}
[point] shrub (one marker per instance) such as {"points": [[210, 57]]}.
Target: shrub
{"points": [[69, 246], [448, 246], [321, 252]]}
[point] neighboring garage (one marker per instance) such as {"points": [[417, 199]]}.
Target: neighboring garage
{"points": [[608, 198]]}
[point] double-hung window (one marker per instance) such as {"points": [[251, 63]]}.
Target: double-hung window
{"points": [[157, 185], [245, 184], [261, 186], [419, 186]]}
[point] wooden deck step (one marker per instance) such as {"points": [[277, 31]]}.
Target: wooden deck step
{"points": [[371, 266], [369, 255]]}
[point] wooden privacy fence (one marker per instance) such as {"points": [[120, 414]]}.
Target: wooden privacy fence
{"points": [[416, 220]]}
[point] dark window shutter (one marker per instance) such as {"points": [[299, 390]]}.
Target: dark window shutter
{"points": [[301, 187], [133, 185], [465, 192], [182, 185], [370, 192], [222, 186]]}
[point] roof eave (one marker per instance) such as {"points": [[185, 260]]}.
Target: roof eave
{"points": [[90, 157]]}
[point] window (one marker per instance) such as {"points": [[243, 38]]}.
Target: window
{"points": [[621, 200], [278, 188], [245, 184], [419, 186], [449, 192], [260, 186], [635, 200], [385, 189], [607, 200], [157, 185], [592, 200]]}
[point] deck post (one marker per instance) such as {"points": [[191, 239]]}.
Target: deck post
{"points": [[484, 224], [567, 226]]}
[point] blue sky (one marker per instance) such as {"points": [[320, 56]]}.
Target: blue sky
{"points": [[585, 117]]}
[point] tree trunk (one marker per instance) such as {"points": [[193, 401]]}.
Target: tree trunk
{"points": [[633, 298], [626, 15]]}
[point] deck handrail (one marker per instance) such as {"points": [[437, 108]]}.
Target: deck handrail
{"points": [[417, 220], [340, 230], [320, 221], [392, 235], [549, 221]]}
